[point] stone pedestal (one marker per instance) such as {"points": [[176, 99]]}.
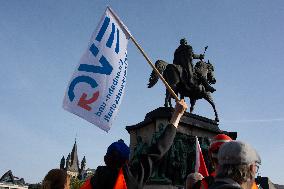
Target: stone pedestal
{"points": [[179, 161]]}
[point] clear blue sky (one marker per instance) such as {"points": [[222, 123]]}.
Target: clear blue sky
{"points": [[41, 42]]}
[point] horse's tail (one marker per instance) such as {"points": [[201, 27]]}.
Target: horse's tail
{"points": [[161, 66]]}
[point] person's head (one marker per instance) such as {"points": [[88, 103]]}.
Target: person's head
{"points": [[238, 161], [56, 179], [215, 145], [183, 41], [192, 181], [117, 154]]}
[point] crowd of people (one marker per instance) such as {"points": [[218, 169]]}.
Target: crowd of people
{"points": [[236, 164]]}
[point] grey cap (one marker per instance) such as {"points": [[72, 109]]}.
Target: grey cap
{"points": [[237, 153]]}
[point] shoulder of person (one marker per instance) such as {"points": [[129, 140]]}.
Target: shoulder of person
{"points": [[99, 168], [209, 179]]}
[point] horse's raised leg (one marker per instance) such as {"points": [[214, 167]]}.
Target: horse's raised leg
{"points": [[209, 99], [172, 78], [167, 98], [170, 101], [192, 103]]}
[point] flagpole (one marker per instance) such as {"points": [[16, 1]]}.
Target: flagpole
{"points": [[197, 162], [145, 56]]}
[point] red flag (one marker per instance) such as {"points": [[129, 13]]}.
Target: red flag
{"points": [[120, 181], [200, 166], [87, 185]]}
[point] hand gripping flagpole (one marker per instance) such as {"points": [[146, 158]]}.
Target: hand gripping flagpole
{"points": [[144, 54]]}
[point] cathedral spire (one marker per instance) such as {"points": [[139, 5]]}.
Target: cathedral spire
{"points": [[74, 158]]}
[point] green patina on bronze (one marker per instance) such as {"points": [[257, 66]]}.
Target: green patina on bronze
{"points": [[178, 162]]}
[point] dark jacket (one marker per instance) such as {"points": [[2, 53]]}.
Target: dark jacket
{"points": [[206, 182], [225, 183], [136, 174]]}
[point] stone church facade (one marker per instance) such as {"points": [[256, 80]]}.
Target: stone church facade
{"points": [[72, 166]]}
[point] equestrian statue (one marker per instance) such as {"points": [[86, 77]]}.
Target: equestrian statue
{"points": [[185, 78]]}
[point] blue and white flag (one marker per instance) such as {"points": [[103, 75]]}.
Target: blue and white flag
{"points": [[97, 86]]}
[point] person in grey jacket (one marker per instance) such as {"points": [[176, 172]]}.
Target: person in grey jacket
{"points": [[238, 165]]}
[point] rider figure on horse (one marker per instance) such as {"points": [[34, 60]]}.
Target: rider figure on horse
{"points": [[183, 56]]}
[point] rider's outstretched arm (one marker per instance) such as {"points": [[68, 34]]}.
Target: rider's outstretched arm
{"points": [[198, 56]]}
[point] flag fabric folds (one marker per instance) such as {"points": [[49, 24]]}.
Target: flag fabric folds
{"points": [[200, 166], [87, 184], [97, 86]]}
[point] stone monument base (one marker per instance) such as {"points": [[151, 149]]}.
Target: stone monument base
{"points": [[179, 161]]}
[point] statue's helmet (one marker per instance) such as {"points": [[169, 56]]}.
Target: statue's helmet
{"points": [[183, 41]]}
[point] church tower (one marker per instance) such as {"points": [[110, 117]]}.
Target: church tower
{"points": [[72, 163], [73, 169]]}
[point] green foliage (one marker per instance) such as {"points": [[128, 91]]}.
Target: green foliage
{"points": [[75, 183]]}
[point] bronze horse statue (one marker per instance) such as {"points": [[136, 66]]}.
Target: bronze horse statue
{"points": [[173, 75]]}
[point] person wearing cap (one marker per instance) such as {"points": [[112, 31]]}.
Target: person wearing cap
{"points": [[121, 174], [214, 147], [192, 181], [238, 165]]}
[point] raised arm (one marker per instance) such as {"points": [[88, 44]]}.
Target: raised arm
{"points": [[180, 108], [198, 56]]}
